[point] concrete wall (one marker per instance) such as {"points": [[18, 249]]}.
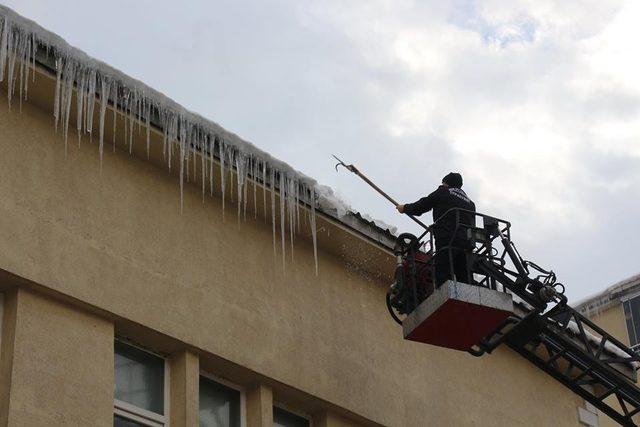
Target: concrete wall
{"points": [[115, 240], [611, 320], [57, 365]]}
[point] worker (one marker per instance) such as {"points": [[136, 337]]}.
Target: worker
{"points": [[451, 242]]}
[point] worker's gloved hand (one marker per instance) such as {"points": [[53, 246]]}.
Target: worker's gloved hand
{"points": [[400, 208]]}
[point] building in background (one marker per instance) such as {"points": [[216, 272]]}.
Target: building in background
{"points": [[617, 310], [226, 291]]}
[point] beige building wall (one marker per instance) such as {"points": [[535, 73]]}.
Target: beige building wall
{"points": [[114, 242], [57, 365], [611, 320]]}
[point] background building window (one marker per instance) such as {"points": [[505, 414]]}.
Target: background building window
{"points": [[139, 387], [282, 418], [1, 315], [632, 317], [219, 404]]}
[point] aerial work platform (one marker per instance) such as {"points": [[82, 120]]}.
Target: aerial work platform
{"points": [[457, 316]]}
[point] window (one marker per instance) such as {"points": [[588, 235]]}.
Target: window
{"points": [[1, 316], [632, 317], [220, 405], [282, 418], [139, 397]]}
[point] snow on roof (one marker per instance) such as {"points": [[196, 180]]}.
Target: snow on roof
{"points": [[187, 135], [607, 297]]}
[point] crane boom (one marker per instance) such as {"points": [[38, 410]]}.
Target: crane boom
{"points": [[543, 328]]}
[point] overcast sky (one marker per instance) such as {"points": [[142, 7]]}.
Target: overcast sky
{"points": [[536, 103]]}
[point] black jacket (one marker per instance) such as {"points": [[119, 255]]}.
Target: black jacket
{"points": [[440, 201]]}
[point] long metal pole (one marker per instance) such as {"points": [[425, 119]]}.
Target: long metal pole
{"points": [[352, 168]]}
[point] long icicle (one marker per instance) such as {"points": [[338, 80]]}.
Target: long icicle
{"points": [[56, 101], [65, 102], [80, 96], [104, 101], [183, 137], [211, 140], [314, 232], [4, 46], [222, 186], [273, 209], [254, 174], [283, 191], [264, 190], [114, 92]]}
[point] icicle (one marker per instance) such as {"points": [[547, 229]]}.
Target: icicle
{"points": [[298, 205], [172, 135], [4, 46], [245, 188], [11, 58], [211, 143], [80, 97], [283, 193], [191, 152], [183, 137], [104, 101], [20, 84], [148, 123], [254, 173], [291, 209], [273, 209], [139, 107], [34, 49], [239, 176], [264, 190], [56, 99], [114, 99], [165, 132], [230, 153], [186, 158], [125, 118], [65, 100], [132, 121], [222, 187], [85, 106], [26, 59], [204, 165], [91, 99], [312, 223]]}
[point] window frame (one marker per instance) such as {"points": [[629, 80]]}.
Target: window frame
{"points": [[227, 383], [135, 413], [634, 333], [1, 317], [294, 411]]}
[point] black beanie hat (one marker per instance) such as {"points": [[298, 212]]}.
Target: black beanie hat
{"points": [[453, 179]]}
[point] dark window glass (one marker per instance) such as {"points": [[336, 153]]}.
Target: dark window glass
{"points": [[282, 418], [631, 329], [122, 422], [219, 405], [139, 378], [632, 317]]}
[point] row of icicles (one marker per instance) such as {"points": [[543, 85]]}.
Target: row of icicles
{"points": [[193, 141]]}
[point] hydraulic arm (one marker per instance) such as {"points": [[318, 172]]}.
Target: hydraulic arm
{"points": [[544, 328]]}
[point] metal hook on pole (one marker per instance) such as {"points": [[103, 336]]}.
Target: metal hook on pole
{"points": [[352, 168]]}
